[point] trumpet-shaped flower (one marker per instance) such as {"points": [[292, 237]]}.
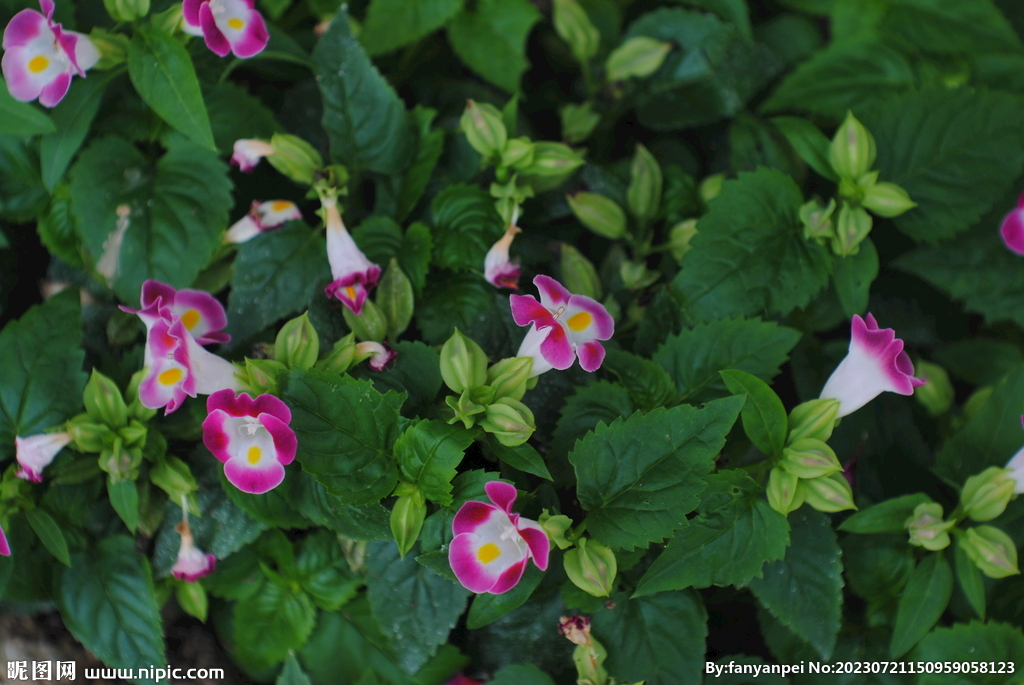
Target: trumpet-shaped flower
{"points": [[262, 216], [379, 354], [1012, 228], [200, 312], [498, 269], [36, 452], [492, 546], [876, 363], [354, 275], [251, 437], [192, 563], [564, 326], [40, 57], [227, 25], [248, 152]]}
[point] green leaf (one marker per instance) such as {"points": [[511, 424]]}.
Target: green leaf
{"points": [[973, 642], [695, 357], [727, 544], [487, 608], [733, 11], [658, 639], [124, 497], [846, 75], [749, 255], [764, 416], [379, 238], [955, 152], [805, 590], [363, 116], [73, 117], [162, 73], [521, 675], [809, 142], [946, 26], [427, 454], [600, 402], [969, 578], [49, 534], [178, 208], [21, 118], [522, 457], [450, 302], [271, 623], [346, 431], [638, 478], [235, 114], [270, 508], [648, 384], [924, 600], [889, 516], [437, 561], [292, 673], [41, 378], [980, 361], [489, 36], [853, 277], [877, 568], [416, 608], [22, 195], [416, 370], [428, 152], [56, 230], [311, 499], [276, 273], [414, 258], [466, 224], [107, 602], [391, 24], [324, 571]]}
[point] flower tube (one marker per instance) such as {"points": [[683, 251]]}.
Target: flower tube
{"points": [[498, 269], [354, 275], [227, 26], [36, 452], [247, 153], [262, 216]]}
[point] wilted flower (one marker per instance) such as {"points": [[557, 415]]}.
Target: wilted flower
{"points": [[576, 629], [192, 563], [248, 152], [379, 354], [36, 452], [353, 273], [227, 25], [262, 216], [1012, 228], [498, 269]]}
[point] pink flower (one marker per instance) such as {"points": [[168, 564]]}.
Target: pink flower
{"points": [[1012, 228], [5, 549], [251, 437], [353, 273], [463, 680], [36, 452], [192, 563], [262, 216], [248, 152], [41, 57], [492, 546], [227, 25], [200, 312], [498, 270], [564, 326], [876, 363], [379, 354]]}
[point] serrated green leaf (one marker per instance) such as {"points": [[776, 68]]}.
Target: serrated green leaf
{"points": [[124, 497], [22, 195], [450, 302], [324, 572], [749, 255], [49, 534], [648, 383], [639, 478], [311, 499], [465, 226], [391, 24], [980, 361], [487, 608], [427, 454], [853, 278], [733, 11], [924, 600], [973, 642], [270, 508], [437, 561], [490, 38], [889, 516], [379, 238], [416, 370], [21, 118], [73, 118], [764, 415], [270, 624], [946, 26], [600, 402], [56, 228]]}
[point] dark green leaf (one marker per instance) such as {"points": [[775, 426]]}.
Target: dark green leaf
{"points": [[763, 415], [124, 497], [465, 226], [235, 114], [600, 402], [489, 36], [379, 238], [853, 277], [391, 24], [292, 673], [522, 675], [809, 142], [889, 516], [49, 534], [324, 571], [22, 195], [924, 600], [969, 578], [21, 118], [416, 370], [73, 117], [56, 229], [980, 361], [487, 608], [454, 301], [648, 384], [437, 561], [431, 145], [972, 642], [271, 623], [311, 499], [428, 453], [950, 26], [733, 11], [522, 457]]}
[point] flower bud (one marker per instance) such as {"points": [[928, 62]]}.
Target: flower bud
{"points": [[937, 394], [88, 435], [639, 57], [168, 21], [553, 161], [852, 152], [680, 236], [578, 121], [192, 600], [810, 458], [341, 358], [518, 153], [828, 493], [370, 325], [113, 48], [466, 410], [887, 200], [136, 410], [991, 550], [297, 345], [578, 273], [813, 419], [817, 220], [119, 462], [407, 517], [510, 421], [644, 193], [103, 401], [295, 158], [986, 494], [484, 128], [591, 567], [556, 526], [636, 275], [463, 363], [784, 493], [599, 213], [261, 375], [173, 476], [395, 298], [508, 377], [134, 434], [126, 10], [927, 529], [852, 227], [574, 27]]}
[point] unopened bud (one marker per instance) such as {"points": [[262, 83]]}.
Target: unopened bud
{"points": [[510, 421], [518, 153], [113, 48], [88, 435], [297, 345], [261, 375], [991, 550], [465, 409], [637, 57], [134, 434], [103, 401], [168, 21], [370, 325], [784, 493], [813, 419], [828, 493], [927, 529], [556, 526], [636, 275], [131, 396], [578, 121], [986, 494], [852, 152], [192, 599], [484, 128], [463, 363], [644, 193], [119, 462], [508, 377], [591, 567], [887, 200], [711, 187], [578, 273], [598, 213], [810, 458], [126, 10], [395, 298], [407, 519], [341, 358], [936, 395], [295, 158], [817, 220], [680, 236], [174, 477], [852, 227], [552, 159], [574, 27]]}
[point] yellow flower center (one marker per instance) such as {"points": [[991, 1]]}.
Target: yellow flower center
{"points": [[170, 377], [579, 321], [351, 292], [280, 205], [38, 64], [236, 23], [253, 455], [488, 553], [191, 318]]}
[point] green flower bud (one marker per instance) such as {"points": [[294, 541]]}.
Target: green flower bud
{"points": [[644, 193], [89, 436], [395, 298], [591, 567], [937, 394], [578, 121], [295, 158], [113, 47], [639, 57], [120, 462], [103, 401], [680, 236], [510, 421], [126, 10], [852, 228], [552, 164], [507, 378], [817, 220], [579, 274], [986, 494], [599, 213], [173, 476], [463, 363], [192, 599], [341, 358], [711, 187], [784, 492], [168, 21], [261, 375], [466, 410], [636, 275], [852, 152], [556, 526], [407, 518], [370, 325], [810, 458], [518, 153], [574, 27], [813, 419], [484, 129], [927, 529], [131, 395], [134, 434], [991, 550], [887, 200], [297, 345], [828, 493]]}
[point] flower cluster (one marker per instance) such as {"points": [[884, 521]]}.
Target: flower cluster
{"points": [[227, 26]]}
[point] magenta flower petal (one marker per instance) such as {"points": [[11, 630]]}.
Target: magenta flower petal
{"points": [[36, 452], [55, 90], [24, 28], [526, 310], [502, 494], [354, 275], [463, 558], [5, 548], [471, 516], [591, 355], [202, 314], [537, 540], [510, 578], [215, 40], [192, 563], [587, 319], [1012, 231], [557, 350], [254, 479], [552, 293], [499, 270], [285, 442], [190, 11]]}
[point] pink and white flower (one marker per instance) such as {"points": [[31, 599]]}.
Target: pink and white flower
{"points": [[201, 313], [354, 275], [564, 326], [1016, 465], [5, 548], [498, 269], [251, 437], [248, 152], [40, 57], [192, 563], [492, 546], [379, 354], [36, 452], [227, 25], [262, 216], [876, 363], [1012, 228]]}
